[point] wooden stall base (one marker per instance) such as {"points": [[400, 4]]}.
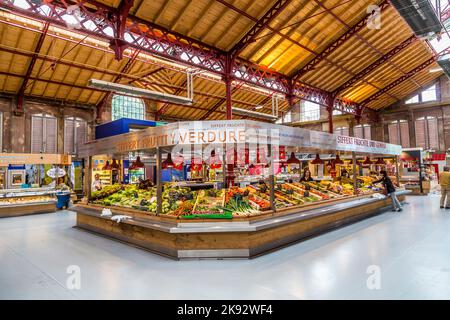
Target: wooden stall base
{"points": [[27, 209], [228, 239]]}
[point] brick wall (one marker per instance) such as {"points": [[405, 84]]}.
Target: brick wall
{"points": [[17, 128], [410, 112]]}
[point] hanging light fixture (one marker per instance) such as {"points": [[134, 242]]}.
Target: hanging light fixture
{"points": [[292, 159], [260, 156], [168, 163], [317, 160], [338, 160], [138, 163], [115, 165], [214, 161], [329, 165], [282, 153], [107, 166], [367, 161]]}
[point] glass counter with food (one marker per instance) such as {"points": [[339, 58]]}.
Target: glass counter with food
{"points": [[206, 186]]}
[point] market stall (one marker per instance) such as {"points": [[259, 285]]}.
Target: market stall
{"points": [[412, 171], [242, 187], [31, 182]]}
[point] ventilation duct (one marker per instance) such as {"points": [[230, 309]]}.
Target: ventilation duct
{"points": [[254, 114], [420, 15], [444, 63], [139, 92]]}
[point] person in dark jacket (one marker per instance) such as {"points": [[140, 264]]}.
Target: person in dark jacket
{"points": [[390, 190], [306, 176]]}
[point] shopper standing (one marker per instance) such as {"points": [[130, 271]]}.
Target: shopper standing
{"points": [[97, 184], [390, 190], [444, 182], [306, 177]]}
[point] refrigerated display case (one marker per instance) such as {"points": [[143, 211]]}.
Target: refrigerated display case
{"points": [[261, 188], [26, 189]]}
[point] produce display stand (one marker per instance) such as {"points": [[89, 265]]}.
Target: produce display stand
{"points": [[26, 201], [238, 236]]}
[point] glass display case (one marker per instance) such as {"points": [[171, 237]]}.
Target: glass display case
{"points": [[32, 182]]}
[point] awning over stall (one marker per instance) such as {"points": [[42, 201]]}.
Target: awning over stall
{"points": [[232, 132]]}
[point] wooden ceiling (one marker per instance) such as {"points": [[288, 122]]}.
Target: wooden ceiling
{"points": [[66, 60]]}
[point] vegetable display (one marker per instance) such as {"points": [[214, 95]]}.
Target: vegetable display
{"points": [[182, 202]]}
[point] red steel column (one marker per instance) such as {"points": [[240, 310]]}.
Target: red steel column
{"points": [[330, 113], [228, 79]]}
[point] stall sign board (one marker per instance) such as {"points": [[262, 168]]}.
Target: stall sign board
{"points": [[33, 158], [346, 143], [236, 132]]}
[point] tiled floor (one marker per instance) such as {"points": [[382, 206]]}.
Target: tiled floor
{"points": [[411, 250]]}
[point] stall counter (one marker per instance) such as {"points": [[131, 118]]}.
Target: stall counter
{"points": [[237, 238]]}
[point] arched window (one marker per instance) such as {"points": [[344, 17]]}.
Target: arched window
{"points": [[343, 131], [427, 133], [75, 132], [127, 107], [362, 131], [43, 133], [399, 133]]}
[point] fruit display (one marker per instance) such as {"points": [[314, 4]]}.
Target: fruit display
{"points": [[131, 196], [210, 201], [106, 191]]}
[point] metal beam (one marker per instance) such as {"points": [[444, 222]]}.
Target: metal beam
{"points": [[218, 104], [375, 65], [23, 87], [97, 20], [336, 44], [260, 25], [398, 81], [119, 44], [9, 74], [362, 39], [148, 74]]}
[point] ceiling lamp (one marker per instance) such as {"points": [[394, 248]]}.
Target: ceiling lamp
{"points": [[330, 164], [214, 161], [168, 163], [367, 161], [107, 166], [338, 160], [420, 16], [261, 156], [115, 165], [254, 114], [317, 160], [130, 90], [292, 159]]}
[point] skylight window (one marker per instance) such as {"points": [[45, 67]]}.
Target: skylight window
{"points": [[414, 99]]}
